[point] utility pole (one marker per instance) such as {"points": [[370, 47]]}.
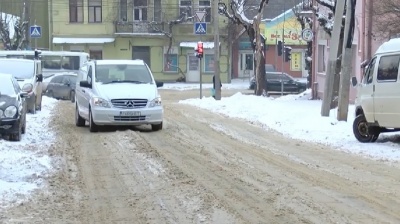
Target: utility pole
{"points": [[333, 54], [283, 45], [347, 65], [216, 52]]}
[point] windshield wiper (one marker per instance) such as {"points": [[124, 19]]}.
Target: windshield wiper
{"points": [[124, 81]]}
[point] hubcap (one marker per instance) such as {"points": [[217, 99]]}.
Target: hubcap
{"points": [[363, 129]]}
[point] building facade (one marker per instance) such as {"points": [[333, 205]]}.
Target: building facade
{"points": [[140, 29]]}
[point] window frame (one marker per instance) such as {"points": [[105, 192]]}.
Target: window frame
{"points": [[123, 10], [208, 16], [180, 7], [141, 9], [378, 80], [95, 5], [204, 64], [75, 5], [157, 13], [321, 67], [165, 63]]}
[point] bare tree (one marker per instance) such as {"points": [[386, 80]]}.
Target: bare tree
{"points": [[252, 27], [168, 31], [13, 31], [386, 17]]}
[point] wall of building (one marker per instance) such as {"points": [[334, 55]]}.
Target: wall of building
{"points": [[271, 57]]}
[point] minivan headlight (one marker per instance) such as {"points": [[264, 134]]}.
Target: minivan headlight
{"points": [[10, 111], [155, 102], [100, 102]]}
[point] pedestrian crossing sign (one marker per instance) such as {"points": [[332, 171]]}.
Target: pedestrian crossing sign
{"points": [[35, 31], [200, 28]]}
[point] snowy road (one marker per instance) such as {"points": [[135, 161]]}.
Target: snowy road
{"points": [[206, 168]]}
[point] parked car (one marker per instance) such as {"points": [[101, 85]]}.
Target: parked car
{"points": [[62, 86], [13, 107], [377, 105], [270, 68], [118, 93], [273, 81], [26, 71]]}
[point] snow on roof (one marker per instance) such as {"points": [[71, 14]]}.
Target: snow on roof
{"points": [[206, 45], [392, 45], [67, 40]]}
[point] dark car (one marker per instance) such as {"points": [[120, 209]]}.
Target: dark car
{"points": [[62, 86], [274, 81], [13, 107]]}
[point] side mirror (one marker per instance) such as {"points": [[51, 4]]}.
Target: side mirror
{"points": [[159, 84], [27, 88], [85, 84], [354, 81], [39, 78]]}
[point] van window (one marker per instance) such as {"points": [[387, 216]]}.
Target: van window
{"points": [[388, 68], [369, 72]]}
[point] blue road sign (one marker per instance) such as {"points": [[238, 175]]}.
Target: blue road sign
{"points": [[200, 28], [35, 31]]}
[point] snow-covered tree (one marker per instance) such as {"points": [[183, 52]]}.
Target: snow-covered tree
{"points": [[166, 27], [236, 15], [13, 32], [386, 18]]}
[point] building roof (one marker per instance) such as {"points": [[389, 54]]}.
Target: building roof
{"points": [[272, 10]]}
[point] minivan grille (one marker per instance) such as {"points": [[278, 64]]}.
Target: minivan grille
{"points": [[129, 103]]}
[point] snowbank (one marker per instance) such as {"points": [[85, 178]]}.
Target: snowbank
{"points": [[23, 164], [299, 118], [235, 84]]}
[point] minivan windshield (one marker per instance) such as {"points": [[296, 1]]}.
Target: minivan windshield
{"points": [[118, 73], [19, 69]]}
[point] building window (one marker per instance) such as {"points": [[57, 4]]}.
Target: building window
{"points": [[140, 10], [185, 8], [205, 5], [95, 11], [208, 63], [96, 54], [388, 68], [171, 63], [157, 11], [123, 10], [76, 11], [321, 58]]}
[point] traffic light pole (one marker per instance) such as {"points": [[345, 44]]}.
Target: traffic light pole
{"points": [[283, 45], [201, 81], [216, 52]]}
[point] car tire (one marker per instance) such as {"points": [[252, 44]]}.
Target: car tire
{"points": [[23, 129], [92, 126], [157, 127], [16, 137], [72, 96], [362, 131], [79, 121]]}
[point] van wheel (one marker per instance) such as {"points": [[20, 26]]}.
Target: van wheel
{"points": [[79, 121], [92, 126], [156, 127], [363, 132]]}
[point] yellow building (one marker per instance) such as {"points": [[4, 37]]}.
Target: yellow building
{"points": [[131, 29]]}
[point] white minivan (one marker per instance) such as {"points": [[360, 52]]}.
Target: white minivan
{"points": [[377, 106], [117, 93]]}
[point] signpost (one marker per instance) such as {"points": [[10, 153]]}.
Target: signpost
{"points": [[35, 32], [200, 28]]}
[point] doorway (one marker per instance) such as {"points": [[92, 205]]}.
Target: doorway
{"points": [[246, 64], [193, 69], [142, 53]]}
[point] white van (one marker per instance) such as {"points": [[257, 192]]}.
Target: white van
{"points": [[26, 72], [378, 94], [117, 93]]}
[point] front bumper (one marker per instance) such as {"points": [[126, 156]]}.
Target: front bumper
{"points": [[112, 116], [9, 125]]}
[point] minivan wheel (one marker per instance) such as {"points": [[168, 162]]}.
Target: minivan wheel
{"points": [[79, 121], [363, 132], [92, 126], [156, 127]]}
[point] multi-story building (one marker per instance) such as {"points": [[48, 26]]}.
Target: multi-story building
{"points": [[131, 29]]}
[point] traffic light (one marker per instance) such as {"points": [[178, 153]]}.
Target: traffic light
{"points": [[200, 49], [280, 48], [288, 54]]}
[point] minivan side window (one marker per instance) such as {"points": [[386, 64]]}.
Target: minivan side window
{"points": [[388, 68], [369, 73]]}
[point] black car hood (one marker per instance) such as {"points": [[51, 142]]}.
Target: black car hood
{"points": [[6, 101]]}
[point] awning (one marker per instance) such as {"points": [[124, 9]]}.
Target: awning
{"points": [[67, 40], [206, 45]]}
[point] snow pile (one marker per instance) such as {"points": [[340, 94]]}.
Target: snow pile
{"points": [[23, 164], [299, 118], [235, 84]]}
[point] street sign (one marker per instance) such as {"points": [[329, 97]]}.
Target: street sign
{"points": [[200, 15], [307, 34], [200, 28], [35, 31]]}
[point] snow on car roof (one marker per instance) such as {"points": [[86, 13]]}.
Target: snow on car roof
{"points": [[4, 75], [392, 45], [120, 62], [16, 59]]}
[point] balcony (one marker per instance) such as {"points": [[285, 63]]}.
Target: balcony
{"points": [[138, 27]]}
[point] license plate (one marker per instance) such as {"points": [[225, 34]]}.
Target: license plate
{"points": [[130, 113]]}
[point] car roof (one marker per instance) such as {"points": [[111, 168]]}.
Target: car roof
{"points": [[17, 59], [120, 62], [391, 46], [3, 75]]}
